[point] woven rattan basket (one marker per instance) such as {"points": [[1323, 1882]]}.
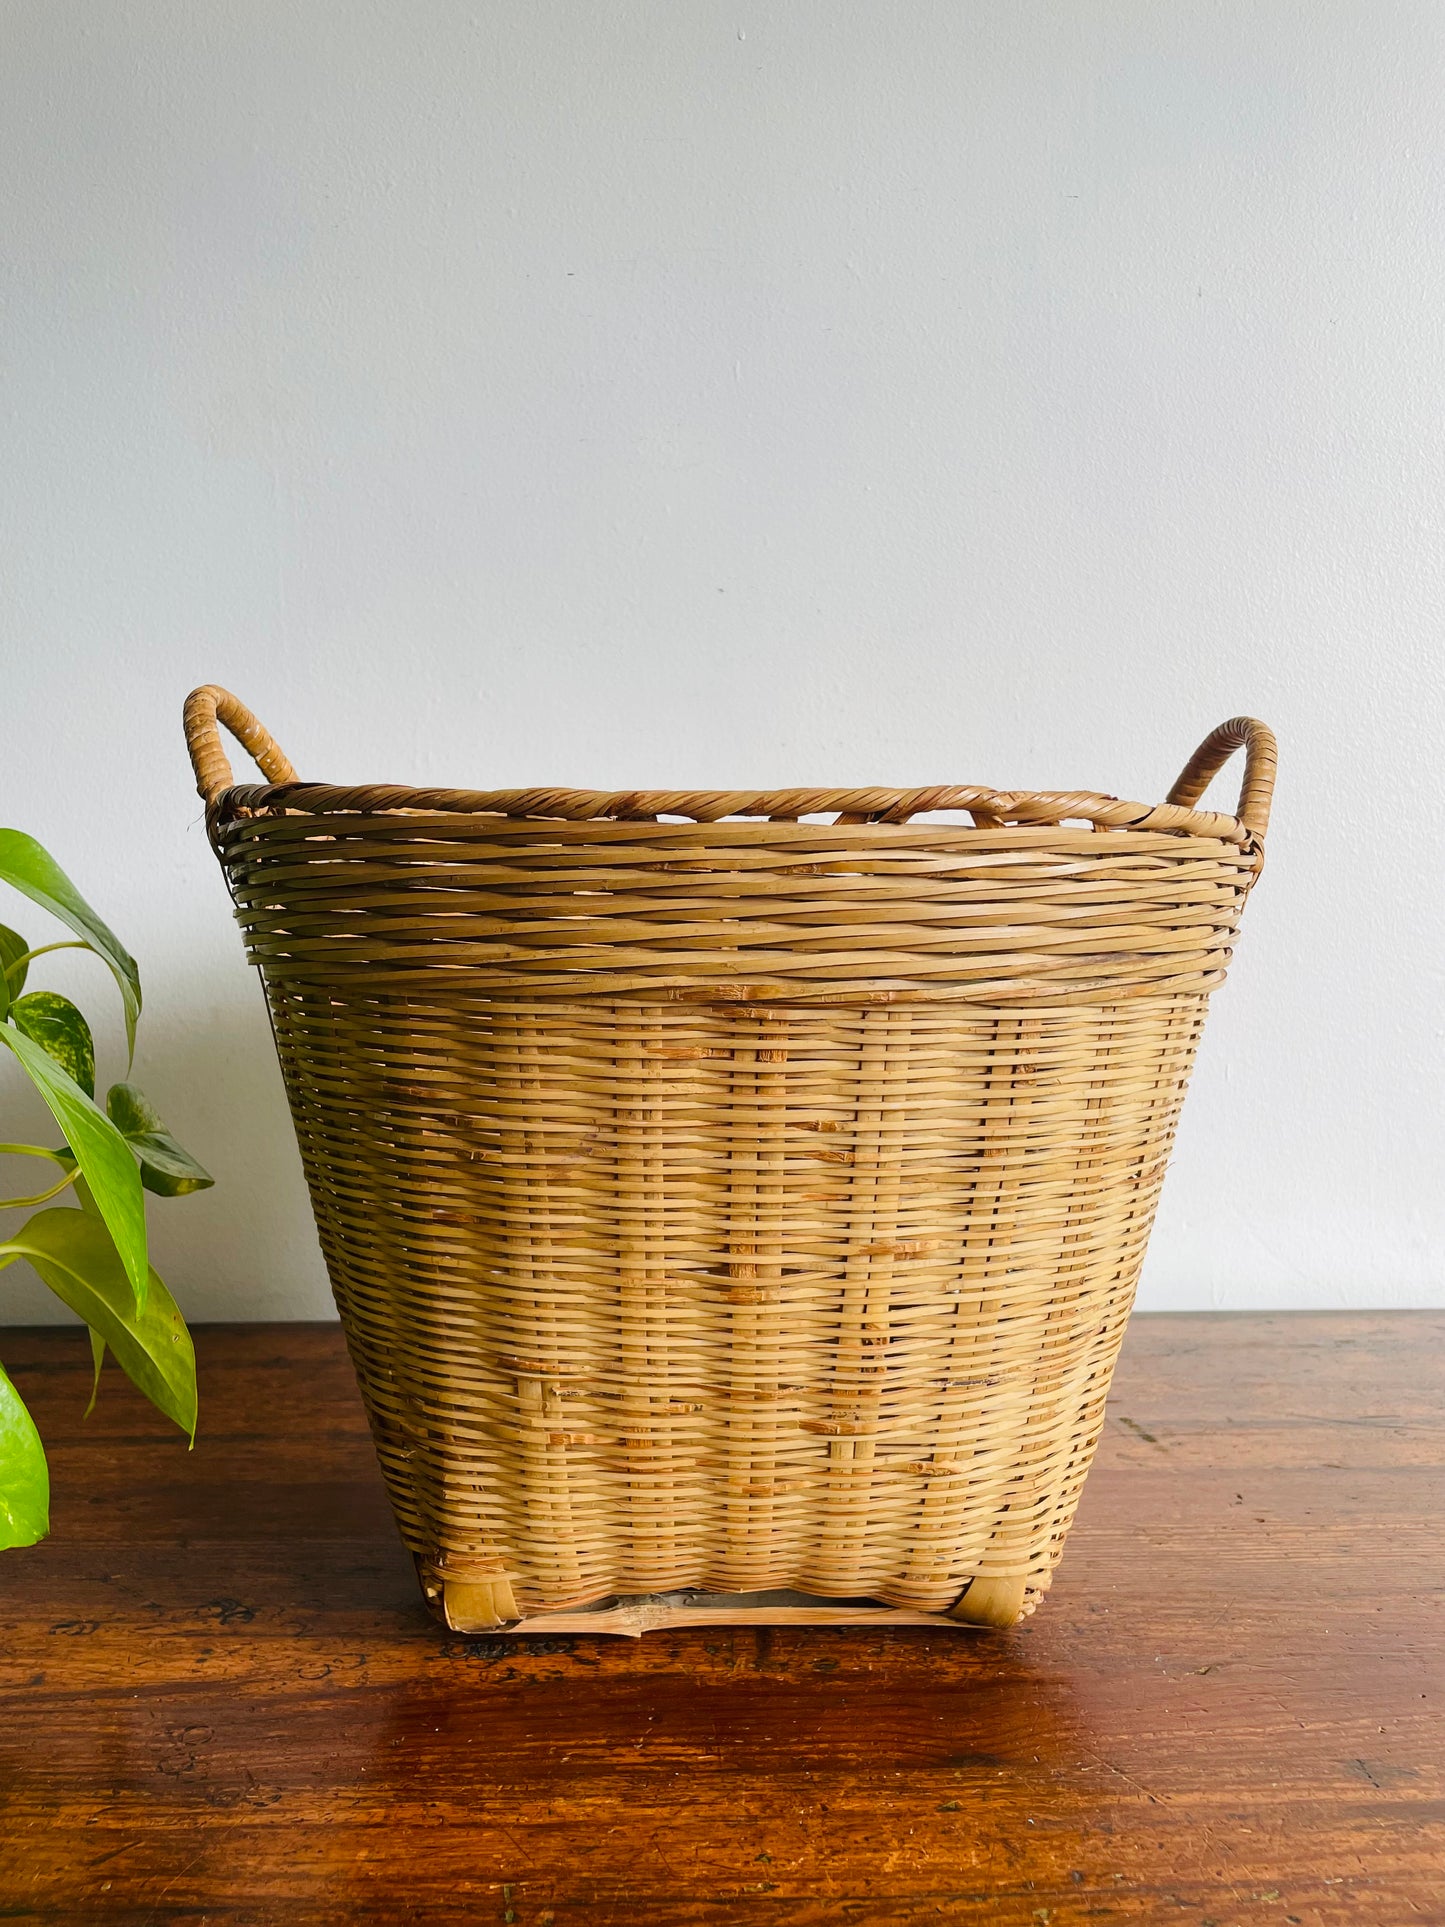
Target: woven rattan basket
{"points": [[733, 1202]]}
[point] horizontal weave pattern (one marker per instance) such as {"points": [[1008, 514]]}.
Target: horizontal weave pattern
{"points": [[733, 1204], [790, 910]]}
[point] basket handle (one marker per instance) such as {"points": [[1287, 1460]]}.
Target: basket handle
{"points": [[205, 709], [1260, 758]]}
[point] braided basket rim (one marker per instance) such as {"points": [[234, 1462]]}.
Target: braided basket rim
{"points": [[859, 808]]}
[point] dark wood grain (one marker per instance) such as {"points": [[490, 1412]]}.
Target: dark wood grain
{"points": [[223, 1701]]}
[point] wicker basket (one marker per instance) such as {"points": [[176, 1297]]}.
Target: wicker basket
{"points": [[733, 1202]]}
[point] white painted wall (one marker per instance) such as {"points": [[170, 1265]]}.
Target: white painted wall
{"points": [[816, 391]]}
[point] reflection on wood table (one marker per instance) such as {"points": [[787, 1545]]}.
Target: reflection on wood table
{"points": [[224, 1701]]}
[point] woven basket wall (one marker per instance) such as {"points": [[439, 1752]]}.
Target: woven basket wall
{"points": [[733, 1192]]}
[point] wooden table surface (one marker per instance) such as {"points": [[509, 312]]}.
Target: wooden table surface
{"points": [[223, 1701]]}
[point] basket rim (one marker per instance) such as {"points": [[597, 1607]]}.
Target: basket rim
{"points": [[856, 809]]}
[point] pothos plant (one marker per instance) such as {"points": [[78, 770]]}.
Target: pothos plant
{"points": [[91, 1252]]}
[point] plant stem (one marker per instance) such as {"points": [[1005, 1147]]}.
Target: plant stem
{"points": [[44, 950], [32, 1151]]}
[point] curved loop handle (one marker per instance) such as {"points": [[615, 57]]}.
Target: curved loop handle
{"points": [[205, 709], [1260, 758]]}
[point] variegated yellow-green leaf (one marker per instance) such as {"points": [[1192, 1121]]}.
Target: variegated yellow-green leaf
{"points": [[101, 1152], [75, 1255], [57, 1026]]}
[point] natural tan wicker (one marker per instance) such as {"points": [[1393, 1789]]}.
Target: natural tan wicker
{"points": [[733, 1193]]}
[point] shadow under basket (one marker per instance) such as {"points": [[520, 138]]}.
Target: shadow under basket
{"points": [[733, 1201]]}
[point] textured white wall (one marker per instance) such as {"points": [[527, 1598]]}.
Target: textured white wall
{"points": [[803, 392]]}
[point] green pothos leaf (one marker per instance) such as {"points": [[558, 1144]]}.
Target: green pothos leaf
{"points": [[35, 873], [166, 1167], [24, 1475], [97, 1359], [12, 972]]}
